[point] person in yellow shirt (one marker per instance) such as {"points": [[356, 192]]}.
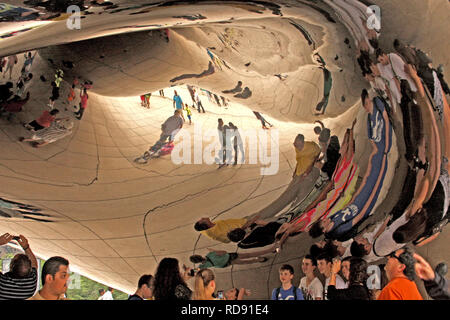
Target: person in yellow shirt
{"points": [[188, 112], [307, 154], [219, 229]]}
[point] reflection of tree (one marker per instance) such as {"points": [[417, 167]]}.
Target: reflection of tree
{"points": [[12, 209], [89, 291]]}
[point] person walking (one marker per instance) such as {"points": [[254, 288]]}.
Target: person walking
{"points": [[198, 101]]}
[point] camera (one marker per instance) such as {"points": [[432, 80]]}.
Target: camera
{"points": [[16, 238], [220, 295]]}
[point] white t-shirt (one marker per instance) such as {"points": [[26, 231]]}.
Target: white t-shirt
{"points": [[346, 245], [398, 65], [384, 244], [313, 291], [340, 284], [107, 296]]}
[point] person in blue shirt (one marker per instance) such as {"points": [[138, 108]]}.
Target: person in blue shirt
{"points": [[379, 131], [287, 291], [177, 102]]}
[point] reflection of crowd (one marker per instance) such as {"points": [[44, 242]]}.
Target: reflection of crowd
{"points": [[47, 128], [337, 205]]}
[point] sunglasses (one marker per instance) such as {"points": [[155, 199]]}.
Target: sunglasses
{"points": [[392, 255]]}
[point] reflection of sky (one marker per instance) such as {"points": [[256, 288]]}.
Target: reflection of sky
{"points": [[8, 27]]}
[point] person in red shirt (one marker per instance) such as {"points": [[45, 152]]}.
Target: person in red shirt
{"points": [[14, 105], [44, 121], [83, 104], [400, 271]]}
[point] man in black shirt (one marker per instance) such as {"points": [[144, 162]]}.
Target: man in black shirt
{"points": [[145, 288], [21, 282]]}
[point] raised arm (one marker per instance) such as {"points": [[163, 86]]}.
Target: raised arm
{"points": [[26, 247]]}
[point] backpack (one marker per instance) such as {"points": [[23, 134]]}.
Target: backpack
{"points": [[422, 58], [277, 293]]}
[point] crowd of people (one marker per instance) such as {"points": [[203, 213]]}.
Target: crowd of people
{"points": [[47, 128], [404, 87], [170, 281]]}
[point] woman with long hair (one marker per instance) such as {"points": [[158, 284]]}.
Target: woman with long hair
{"points": [[170, 284], [357, 288], [204, 285]]}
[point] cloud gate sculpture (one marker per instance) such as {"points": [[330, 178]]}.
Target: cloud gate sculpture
{"points": [[97, 183]]}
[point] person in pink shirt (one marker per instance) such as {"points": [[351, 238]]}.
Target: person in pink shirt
{"points": [[83, 104]]}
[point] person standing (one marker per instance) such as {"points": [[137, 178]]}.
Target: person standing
{"points": [[21, 281], [170, 283], [83, 104], [28, 63], [145, 288], [400, 271], [198, 101], [178, 103], [101, 292], [147, 100], [237, 144], [324, 264], [11, 61], [188, 112], [287, 291], [54, 96], [310, 285], [55, 276], [108, 294]]}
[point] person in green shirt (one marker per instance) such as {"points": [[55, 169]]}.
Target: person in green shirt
{"points": [[223, 259]]}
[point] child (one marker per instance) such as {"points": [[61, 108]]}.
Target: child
{"points": [[147, 100], [287, 291], [143, 100], [188, 112]]}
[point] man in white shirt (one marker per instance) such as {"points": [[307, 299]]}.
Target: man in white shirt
{"points": [[310, 285], [324, 264], [108, 294], [393, 68], [198, 101]]}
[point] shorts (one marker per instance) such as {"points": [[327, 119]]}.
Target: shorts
{"points": [[233, 256], [36, 126], [189, 117]]}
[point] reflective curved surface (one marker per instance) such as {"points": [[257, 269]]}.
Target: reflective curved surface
{"points": [[83, 196]]}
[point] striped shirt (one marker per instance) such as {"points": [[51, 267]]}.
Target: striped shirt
{"points": [[17, 289], [52, 133]]}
